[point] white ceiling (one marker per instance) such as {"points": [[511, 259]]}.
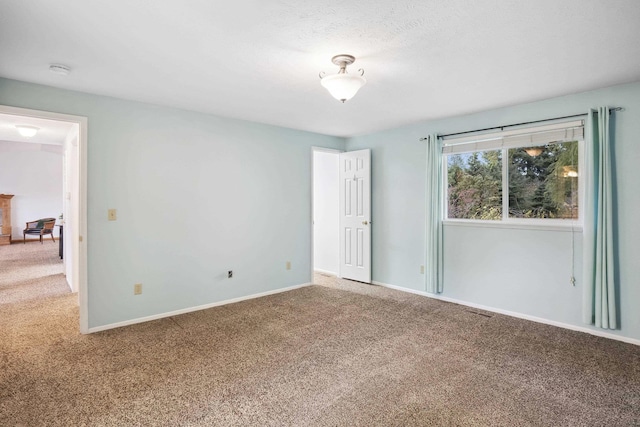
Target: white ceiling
{"points": [[259, 60]]}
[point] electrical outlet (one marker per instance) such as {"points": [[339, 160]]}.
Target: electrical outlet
{"points": [[288, 267], [230, 274], [422, 269], [111, 215], [137, 289]]}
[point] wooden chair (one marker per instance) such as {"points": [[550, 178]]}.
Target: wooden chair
{"points": [[40, 227]]}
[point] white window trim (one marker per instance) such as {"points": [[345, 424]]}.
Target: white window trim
{"points": [[506, 221], [527, 224]]}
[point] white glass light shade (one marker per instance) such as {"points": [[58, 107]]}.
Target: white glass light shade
{"points": [[344, 86], [533, 151], [27, 131]]}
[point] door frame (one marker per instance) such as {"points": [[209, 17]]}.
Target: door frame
{"points": [[79, 256], [314, 150]]}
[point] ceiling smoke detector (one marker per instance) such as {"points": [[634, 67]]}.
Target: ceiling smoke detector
{"points": [[61, 69]]}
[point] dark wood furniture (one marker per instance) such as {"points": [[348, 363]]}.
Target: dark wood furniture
{"points": [[60, 242]]}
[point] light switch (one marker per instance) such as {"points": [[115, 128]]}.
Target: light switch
{"points": [[112, 215]]}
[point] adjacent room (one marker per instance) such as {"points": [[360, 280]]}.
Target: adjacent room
{"points": [[347, 213]]}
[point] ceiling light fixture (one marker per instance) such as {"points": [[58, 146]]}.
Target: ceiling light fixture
{"points": [[343, 86], [27, 131], [59, 69], [533, 151]]}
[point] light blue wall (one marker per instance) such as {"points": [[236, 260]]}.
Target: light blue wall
{"points": [[196, 195], [491, 266]]}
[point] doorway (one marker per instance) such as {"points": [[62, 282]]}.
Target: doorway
{"points": [[341, 214], [325, 205], [71, 140]]}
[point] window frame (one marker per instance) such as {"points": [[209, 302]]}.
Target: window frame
{"points": [[505, 221]]}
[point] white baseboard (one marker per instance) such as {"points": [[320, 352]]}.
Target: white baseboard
{"points": [[191, 309], [596, 332], [318, 270]]}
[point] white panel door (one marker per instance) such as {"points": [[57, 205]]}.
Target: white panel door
{"points": [[355, 215]]}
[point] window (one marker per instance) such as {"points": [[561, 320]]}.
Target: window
{"points": [[527, 175], [475, 185], [544, 185]]}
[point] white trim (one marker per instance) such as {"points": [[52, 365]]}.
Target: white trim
{"points": [[192, 309], [584, 329], [533, 225], [83, 277], [326, 150], [80, 258], [319, 270]]}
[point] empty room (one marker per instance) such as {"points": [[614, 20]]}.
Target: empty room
{"points": [[365, 213]]}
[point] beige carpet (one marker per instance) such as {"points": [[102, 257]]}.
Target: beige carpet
{"points": [[338, 354], [30, 271]]}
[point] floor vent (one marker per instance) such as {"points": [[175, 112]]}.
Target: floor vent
{"points": [[479, 314]]}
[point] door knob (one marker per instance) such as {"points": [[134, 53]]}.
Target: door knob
{"points": [[365, 222]]}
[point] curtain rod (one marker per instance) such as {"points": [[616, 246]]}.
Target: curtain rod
{"points": [[611, 110]]}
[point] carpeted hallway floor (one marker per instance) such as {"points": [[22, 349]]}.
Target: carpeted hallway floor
{"points": [[337, 354], [31, 272]]}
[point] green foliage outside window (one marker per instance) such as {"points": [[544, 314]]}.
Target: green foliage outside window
{"points": [[544, 185], [475, 185]]}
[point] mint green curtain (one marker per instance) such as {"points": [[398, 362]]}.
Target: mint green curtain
{"points": [[599, 299], [433, 263]]}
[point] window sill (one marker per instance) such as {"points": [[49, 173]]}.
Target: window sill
{"points": [[554, 226]]}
